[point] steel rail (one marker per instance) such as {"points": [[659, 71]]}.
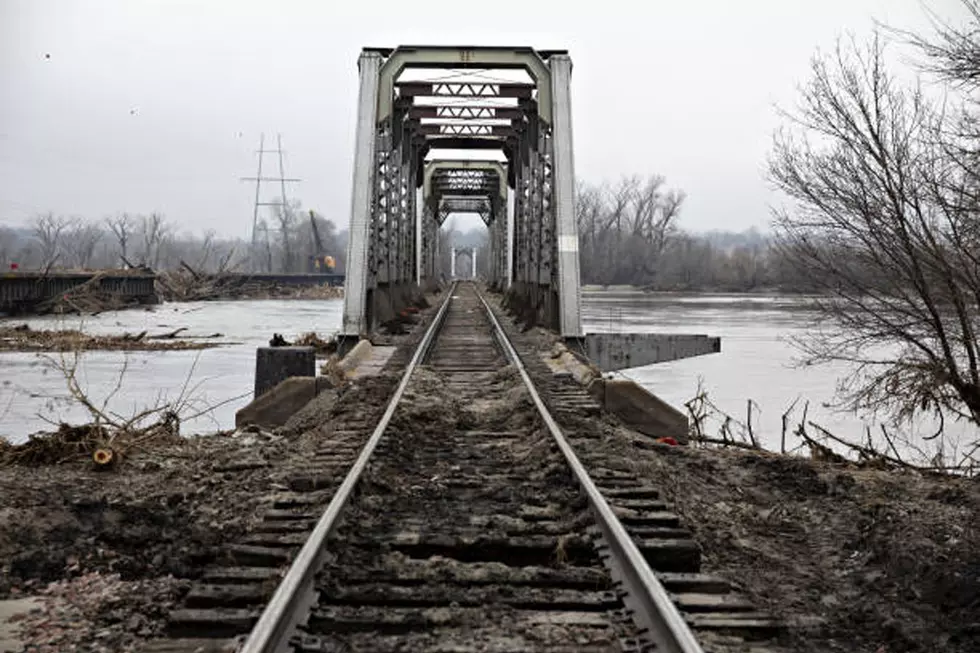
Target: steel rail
{"points": [[295, 595], [646, 596]]}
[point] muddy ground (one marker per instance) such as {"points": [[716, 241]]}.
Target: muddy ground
{"points": [[854, 559], [158, 517], [86, 539]]}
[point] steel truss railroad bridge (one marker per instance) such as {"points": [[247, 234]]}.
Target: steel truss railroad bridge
{"points": [[406, 182]]}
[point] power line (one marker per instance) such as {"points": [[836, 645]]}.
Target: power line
{"points": [[258, 179]]}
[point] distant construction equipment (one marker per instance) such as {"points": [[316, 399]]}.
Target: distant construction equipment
{"points": [[319, 262]]}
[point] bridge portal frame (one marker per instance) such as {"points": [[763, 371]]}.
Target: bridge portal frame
{"points": [[384, 247]]}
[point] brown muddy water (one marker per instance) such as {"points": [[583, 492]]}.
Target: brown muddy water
{"points": [[757, 361]]}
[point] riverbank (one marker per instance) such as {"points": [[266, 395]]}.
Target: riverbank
{"points": [[189, 286], [92, 292]]}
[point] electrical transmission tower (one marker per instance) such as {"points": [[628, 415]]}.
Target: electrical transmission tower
{"points": [[258, 179]]}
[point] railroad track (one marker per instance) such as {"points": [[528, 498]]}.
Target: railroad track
{"points": [[482, 530]]}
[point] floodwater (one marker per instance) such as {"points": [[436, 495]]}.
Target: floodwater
{"points": [[756, 362], [210, 383]]}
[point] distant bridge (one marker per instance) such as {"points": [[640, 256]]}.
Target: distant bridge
{"points": [[23, 290]]}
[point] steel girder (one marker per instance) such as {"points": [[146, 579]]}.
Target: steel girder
{"points": [[466, 177], [393, 244]]}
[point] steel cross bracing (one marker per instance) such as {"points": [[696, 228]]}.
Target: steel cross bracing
{"points": [[403, 190]]}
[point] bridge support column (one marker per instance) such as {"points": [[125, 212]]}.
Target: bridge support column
{"points": [[473, 260], [563, 173], [428, 239], [356, 301], [452, 264]]}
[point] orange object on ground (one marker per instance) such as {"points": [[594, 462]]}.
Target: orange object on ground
{"points": [[668, 440]]}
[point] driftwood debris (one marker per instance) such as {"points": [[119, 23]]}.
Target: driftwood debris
{"points": [[190, 285], [23, 338], [85, 298]]}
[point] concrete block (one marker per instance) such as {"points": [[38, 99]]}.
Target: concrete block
{"points": [[274, 407], [619, 351], [361, 352], [372, 365], [560, 359], [640, 409], [274, 365]]}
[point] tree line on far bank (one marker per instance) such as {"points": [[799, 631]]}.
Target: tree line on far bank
{"points": [[614, 249], [629, 234], [283, 244]]}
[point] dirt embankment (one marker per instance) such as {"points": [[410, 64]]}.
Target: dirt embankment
{"points": [[860, 560], [23, 338], [111, 552], [139, 530]]}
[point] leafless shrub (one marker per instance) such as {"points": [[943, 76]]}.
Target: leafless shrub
{"points": [[711, 426], [109, 435]]}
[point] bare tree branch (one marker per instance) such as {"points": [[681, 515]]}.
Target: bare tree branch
{"points": [[882, 225]]}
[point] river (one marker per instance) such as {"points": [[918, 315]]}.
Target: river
{"points": [[757, 361]]}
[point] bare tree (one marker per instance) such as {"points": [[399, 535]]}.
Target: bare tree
{"points": [[653, 219], [122, 227], [48, 230], [81, 239], [623, 231], [156, 234], [886, 225], [953, 51], [8, 245], [287, 221]]}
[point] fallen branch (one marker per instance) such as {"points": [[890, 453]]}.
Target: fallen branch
{"points": [[109, 437], [169, 335]]}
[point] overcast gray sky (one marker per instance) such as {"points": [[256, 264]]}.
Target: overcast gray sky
{"points": [[158, 105]]}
